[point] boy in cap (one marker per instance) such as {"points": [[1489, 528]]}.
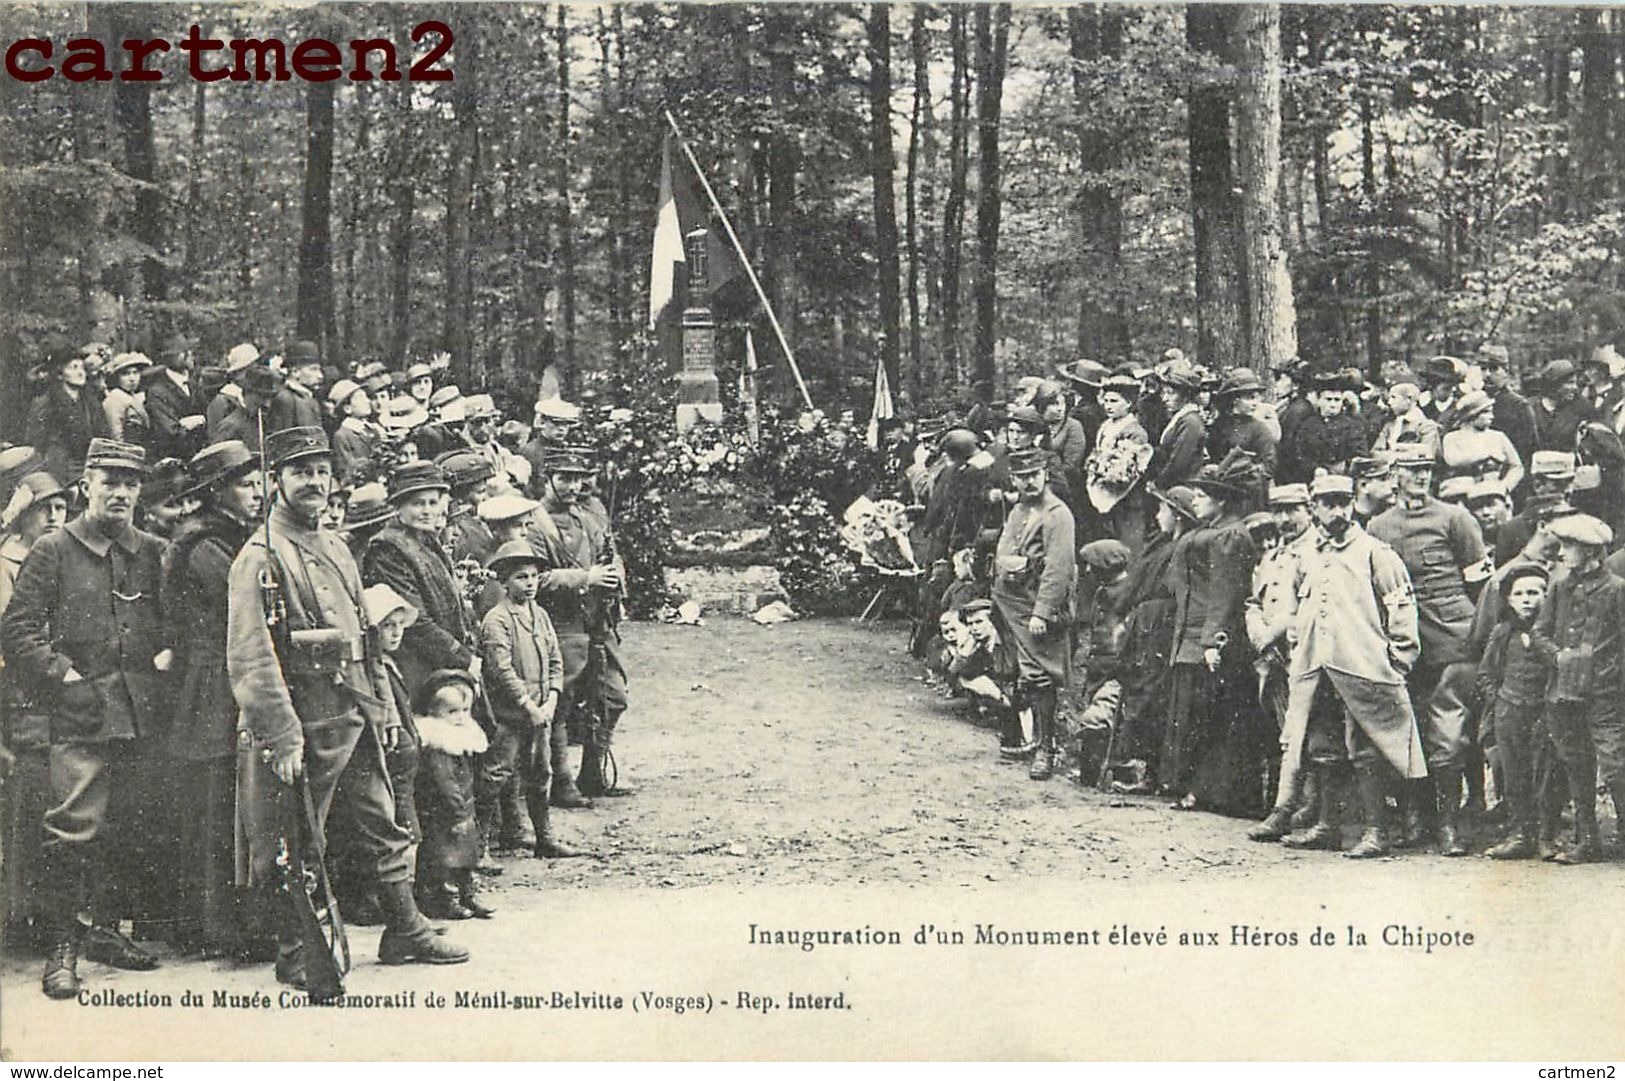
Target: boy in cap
{"points": [[1512, 679], [1583, 627], [524, 667]]}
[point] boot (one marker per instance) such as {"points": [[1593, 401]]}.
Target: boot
{"points": [[548, 846], [599, 777], [469, 896], [1043, 764], [61, 979], [1519, 846], [408, 938], [1586, 847], [1416, 798], [1324, 834], [1451, 842], [516, 833], [565, 793], [1309, 805], [1027, 739], [483, 863], [1276, 825], [1373, 842], [108, 946]]}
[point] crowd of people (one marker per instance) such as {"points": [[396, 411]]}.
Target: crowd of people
{"points": [[286, 644], [1323, 598], [273, 627]]}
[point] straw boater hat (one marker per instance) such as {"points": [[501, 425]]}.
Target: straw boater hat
{"points": [[1088, 373], [124, 362], [1472, 404], [505, 508], [1180, 498]]}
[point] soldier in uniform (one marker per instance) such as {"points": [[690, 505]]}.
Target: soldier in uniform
{"points": [[84, 634], [580, 588], [1035, 569], [315, 701], [1373, 487], [1443, 551], [1356, 637]]}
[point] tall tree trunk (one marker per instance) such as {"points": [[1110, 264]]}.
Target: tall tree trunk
{"points": [[926, 237], [457, 337], [358, 197], [566, 227], [1095, 33], [953, 211], [132, 103], [992, 46], [882, 164], [194, 190], [403, 194], [1272, 318], [911, 199], [621, 214], [314, 309], [1220, 301], [1373, 263], [784, 166], [1598, 92]]}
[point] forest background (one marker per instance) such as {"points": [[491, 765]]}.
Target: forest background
{"points": [[964, 193]]}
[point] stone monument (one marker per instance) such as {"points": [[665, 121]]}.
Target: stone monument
{"points": [[697, 398]]}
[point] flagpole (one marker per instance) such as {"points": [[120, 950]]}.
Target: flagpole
{"points": [[744, 259]]}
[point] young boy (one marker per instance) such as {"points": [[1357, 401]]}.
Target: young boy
{"points": [[1584, 626], [444, 711], [524, 671], [1512, 678]]}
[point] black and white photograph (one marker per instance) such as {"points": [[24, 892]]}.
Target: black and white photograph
{"points": [[812, 531]]}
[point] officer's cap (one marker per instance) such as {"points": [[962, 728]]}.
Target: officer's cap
{"points": [[1288, 495]]}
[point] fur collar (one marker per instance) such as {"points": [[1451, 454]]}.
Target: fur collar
{"points": [[448, 738]]}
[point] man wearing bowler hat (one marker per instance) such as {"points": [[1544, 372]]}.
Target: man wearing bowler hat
{"points": [[84, 631], [173, 403], [295, 404], [314, 701]]}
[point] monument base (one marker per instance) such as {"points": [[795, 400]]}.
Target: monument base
{"points": [[692, 413]]}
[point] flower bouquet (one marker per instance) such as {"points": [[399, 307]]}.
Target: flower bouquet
{"points": [[1113, 470], [877, 532]]}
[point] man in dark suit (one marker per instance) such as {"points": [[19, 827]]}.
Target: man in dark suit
{"points": [[296, 405], [1513, 414], [172, 404]]}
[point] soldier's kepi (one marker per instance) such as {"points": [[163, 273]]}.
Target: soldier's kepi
{"points": [[580, 587], [84, 634], [1035, 567], [311, 690]]}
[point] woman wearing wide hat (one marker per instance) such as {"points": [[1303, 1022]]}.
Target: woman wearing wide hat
{"points": [[1475, 449], [1116, 466], [1180, 447], [203, 739], [1238, 399], [1214, 731]]}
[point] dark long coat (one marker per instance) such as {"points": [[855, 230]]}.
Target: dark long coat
{"points": [[420, 571], [197, 572], [61, 427]]}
